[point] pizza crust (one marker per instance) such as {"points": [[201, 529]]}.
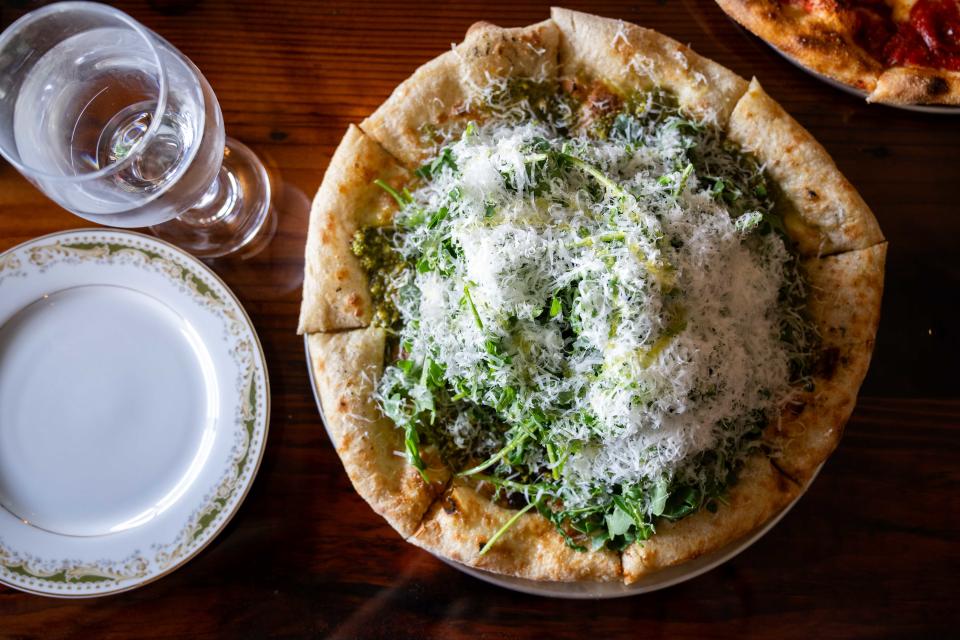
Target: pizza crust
{"points": [[335, 294], [443, 90], [822, 211], [844, 298], [631, 58], [917, 85], [821, 43], [463, 520], [761, 492], [812, 41], [346, 366]]}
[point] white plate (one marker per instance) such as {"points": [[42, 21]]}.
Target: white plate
{"points": [[836, 84], [134, 406], [601, 590]]}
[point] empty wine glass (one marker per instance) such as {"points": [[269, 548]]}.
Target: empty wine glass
{"points": [[117, 126]]}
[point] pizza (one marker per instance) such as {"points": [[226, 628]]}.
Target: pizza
{"points": [[894, 51], [581, 304]]}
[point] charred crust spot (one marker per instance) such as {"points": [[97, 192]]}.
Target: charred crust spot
{"points": [[812, 195], [937, 86], [822, 40], [450, 505], [342, 404], [481, 543], [827, 362]]}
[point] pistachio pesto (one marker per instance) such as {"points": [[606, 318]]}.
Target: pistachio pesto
{"points": [[598, 326], [373, 246]]}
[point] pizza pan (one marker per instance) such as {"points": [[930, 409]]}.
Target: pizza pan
{"points": [[601, 590]]}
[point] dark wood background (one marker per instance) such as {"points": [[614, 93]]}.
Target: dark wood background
{"points": [[870, 551]]}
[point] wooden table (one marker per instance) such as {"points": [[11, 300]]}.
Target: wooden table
{"points": [[871, 550]]}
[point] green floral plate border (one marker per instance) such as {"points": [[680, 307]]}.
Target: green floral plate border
{"points": [[100, 565]]}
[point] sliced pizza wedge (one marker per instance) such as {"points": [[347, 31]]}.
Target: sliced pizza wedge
{"points": [[336, 294], [845, 292], [822, 211], [463, 84], [897, 52], [629, 59], [464, 520], [346, 366], [761, 491]]}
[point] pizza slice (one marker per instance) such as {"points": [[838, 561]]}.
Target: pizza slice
{"points": [[894, 51]]}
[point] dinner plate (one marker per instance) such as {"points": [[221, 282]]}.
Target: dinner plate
{"points": [[134, 407], [836, 84], [601, 590]]}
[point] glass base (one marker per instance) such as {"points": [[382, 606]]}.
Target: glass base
{"points": [[232, 216]]}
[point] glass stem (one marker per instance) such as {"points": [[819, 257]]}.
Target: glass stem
{"points": [[215, 204]]}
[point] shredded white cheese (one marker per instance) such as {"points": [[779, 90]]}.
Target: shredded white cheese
{"points": [[674, 305]]}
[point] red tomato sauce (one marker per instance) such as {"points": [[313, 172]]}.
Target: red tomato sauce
{"points": [[930, 37]]}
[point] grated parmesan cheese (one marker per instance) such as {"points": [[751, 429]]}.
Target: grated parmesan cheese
{"points": [[596, 301]]}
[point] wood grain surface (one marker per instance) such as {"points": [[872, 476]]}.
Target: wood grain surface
{"points": [[871, 551]]}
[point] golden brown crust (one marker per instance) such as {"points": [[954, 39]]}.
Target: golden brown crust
{"points": [[346, 366], [819, 42], [822, 41], [463, 520], [631, 58], [844, 305], [442, 91], [489, 52], [761, 492], [917, 85], [822, 211], [335, 294], [428, 98]]}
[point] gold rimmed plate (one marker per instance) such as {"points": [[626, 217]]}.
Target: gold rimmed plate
{"points": [[134, 408]]}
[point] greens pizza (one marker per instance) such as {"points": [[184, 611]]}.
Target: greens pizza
{"points": [[582, 304]]}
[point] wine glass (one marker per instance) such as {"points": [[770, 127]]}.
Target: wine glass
{"points": [[114, 124]]}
